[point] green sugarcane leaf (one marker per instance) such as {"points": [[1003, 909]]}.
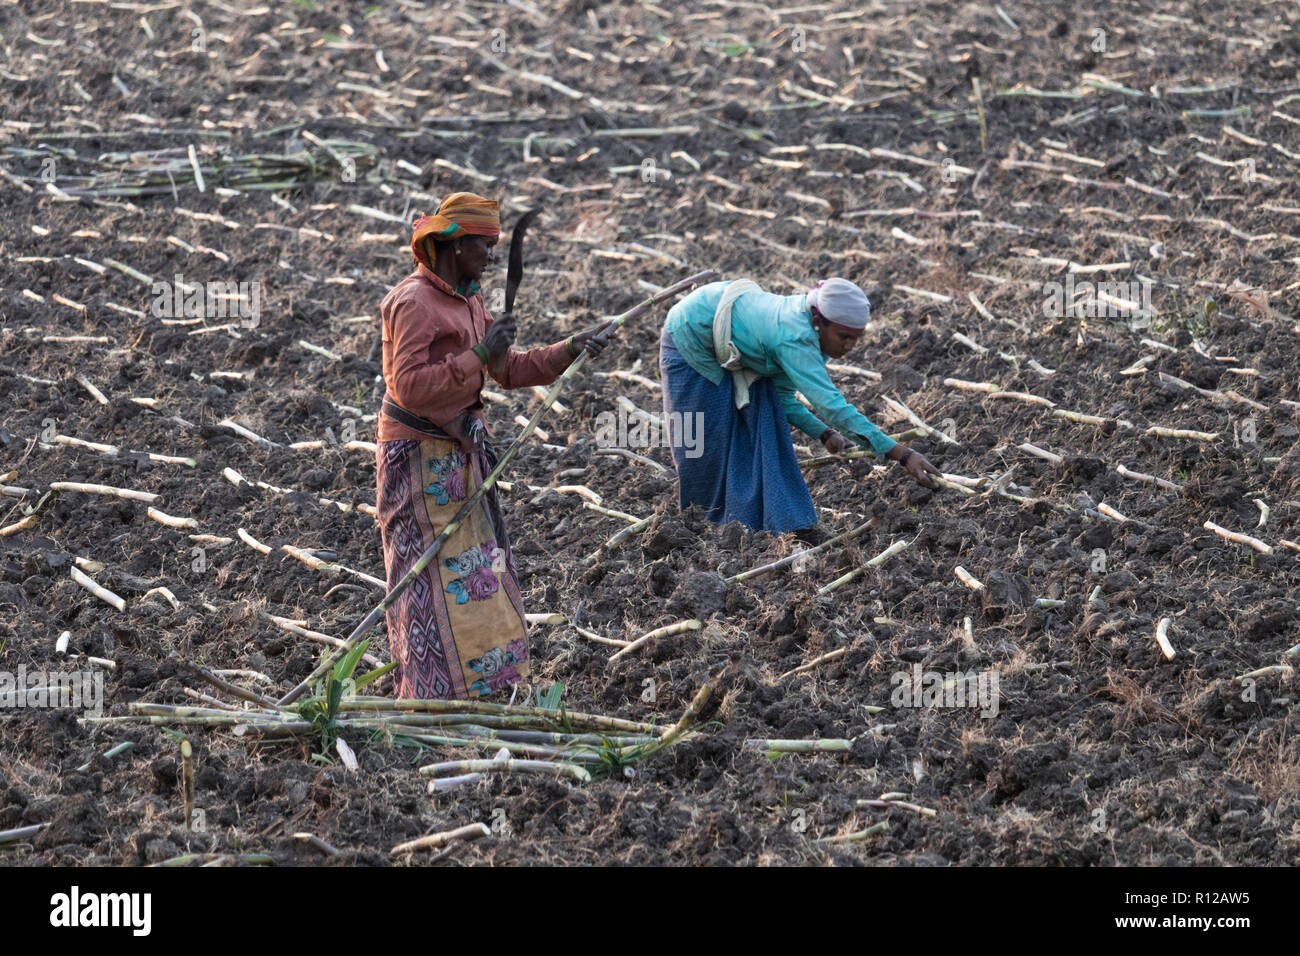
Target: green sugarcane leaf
{"points": [[551, 699], [373, 675], [344, 668]]}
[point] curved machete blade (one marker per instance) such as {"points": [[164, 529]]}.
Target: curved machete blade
{"points": [[515, 270]]}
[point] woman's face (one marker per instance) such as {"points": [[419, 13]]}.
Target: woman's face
{"points": [[476, 254], [836, 340]]}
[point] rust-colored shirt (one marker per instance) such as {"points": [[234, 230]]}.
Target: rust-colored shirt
{"points": [[428, 332]]}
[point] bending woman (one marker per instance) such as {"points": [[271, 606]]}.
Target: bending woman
{"points": [[733, 356]]}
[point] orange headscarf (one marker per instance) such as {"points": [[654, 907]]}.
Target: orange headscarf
{"points": [[460, 214]]}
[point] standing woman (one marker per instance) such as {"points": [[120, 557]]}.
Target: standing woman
{"points": [[458, 630], [734, 355]]}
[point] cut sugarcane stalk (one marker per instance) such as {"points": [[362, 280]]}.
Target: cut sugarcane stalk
{"points": [[969, 343], [1149, 479], [434, 841], [1025, 397], [634, 411], [92, 445], [522, 421], [1110, 512], [828, 745], [1048, 603], [20, 525], [1162, 637], [880, 827], [147, 497], [394, 726], [509, 766], [1138, 367], [211, 538], [943, 481], [875, 562], [593, 636], [889, 800], [1238, 538], [854, 370], [309, 559], [559, 407], [166, 593], [968, 579], [109, 754], [823, 460], [627, 376], [669, 630], [1294, 546], [1264, 512], [173, 460], [633, 456], [901, 409], [777, 565], [1083, 419], [448, 783], [316, 843], [1037, 452], [243, 432], [187, 780], [1182, 433], [21, 833], [103, 593], [253, 543], [582, 490], [90, 387], [294, 628], [610, 512], [171, 520], [966, 386], [320, 350], [472, 502], [1283, 670], [209, 699], [692, 714], [824, 658], [620, 537], [245, 672], [1240, 399]]}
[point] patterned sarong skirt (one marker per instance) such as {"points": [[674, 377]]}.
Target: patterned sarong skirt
{"points": [[458, 630]]}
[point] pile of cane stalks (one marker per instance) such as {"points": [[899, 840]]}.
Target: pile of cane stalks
{"points": [[143, 173], [548, 739]]}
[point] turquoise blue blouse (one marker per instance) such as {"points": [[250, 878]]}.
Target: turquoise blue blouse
{"points": [[775, 337]]}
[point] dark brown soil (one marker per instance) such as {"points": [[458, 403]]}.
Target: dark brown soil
{"points": [[1102, 751]]}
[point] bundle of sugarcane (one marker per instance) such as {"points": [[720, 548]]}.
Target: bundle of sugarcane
{"points": [[164, 171], [547, 739]]}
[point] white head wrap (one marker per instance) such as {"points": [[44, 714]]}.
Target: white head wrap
{"points": [[842, 302]]}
